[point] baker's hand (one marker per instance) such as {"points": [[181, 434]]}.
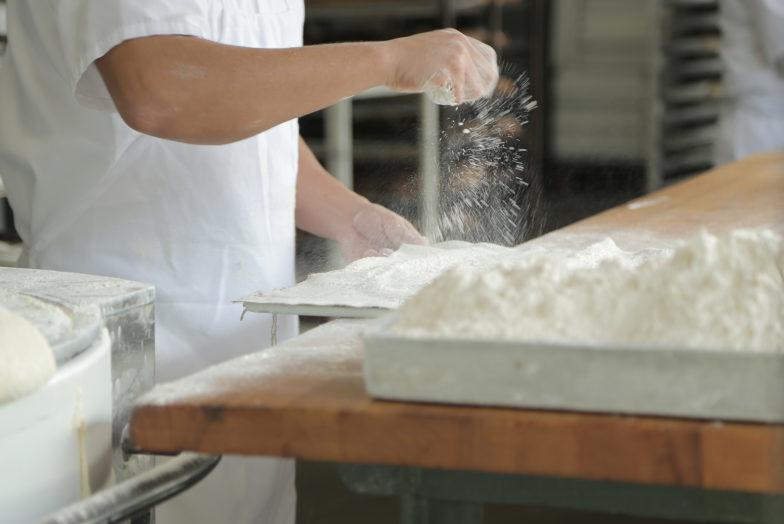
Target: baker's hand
{"points": [[451, 66], [376, 231]]}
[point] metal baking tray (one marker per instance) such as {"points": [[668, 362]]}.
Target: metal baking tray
{"points": [[311, 310], [689, 383]]}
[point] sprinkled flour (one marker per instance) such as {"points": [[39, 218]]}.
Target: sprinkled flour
{"points": [[711, 292], [485, 190]]}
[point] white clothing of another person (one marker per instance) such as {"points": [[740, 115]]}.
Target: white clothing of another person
{"points": [[751, 118]]}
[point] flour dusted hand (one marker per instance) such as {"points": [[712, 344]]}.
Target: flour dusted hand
{"points": [[376, 231], [451, 66]]}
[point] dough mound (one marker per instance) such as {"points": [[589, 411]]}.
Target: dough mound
{"points": [[26, 360]]}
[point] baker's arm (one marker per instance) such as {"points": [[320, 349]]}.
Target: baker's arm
{"points": [[328, 209], [198, 91]]}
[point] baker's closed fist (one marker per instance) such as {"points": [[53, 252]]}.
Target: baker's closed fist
{"points": [[452, 67]]}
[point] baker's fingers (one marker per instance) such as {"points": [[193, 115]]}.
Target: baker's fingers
{"points": [[489, 75], [395, 230], [455, 74], [440, 87], [411, 235], [475, 84], [414, 237], [473, 71], [485, 50], [368, 222], [399, 231], [486, 65]]}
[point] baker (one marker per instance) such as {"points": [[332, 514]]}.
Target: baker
{"points": [[158, 141]]}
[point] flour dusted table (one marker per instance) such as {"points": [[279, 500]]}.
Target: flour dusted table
{"points": [[446, 461]]}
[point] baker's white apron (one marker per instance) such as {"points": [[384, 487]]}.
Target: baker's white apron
{"points": [[205, 224]]}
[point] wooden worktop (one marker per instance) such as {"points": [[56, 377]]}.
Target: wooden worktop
{"points": [[744, 194], [306, 398]]}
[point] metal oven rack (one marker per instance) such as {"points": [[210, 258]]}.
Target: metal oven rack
{"points": [[688, 87]]}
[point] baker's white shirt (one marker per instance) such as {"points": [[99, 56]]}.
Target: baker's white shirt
{"points": [[205, 224]]}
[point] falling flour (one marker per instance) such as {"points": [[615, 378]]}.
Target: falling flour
{"points": [[711, 292], [485, 190]]}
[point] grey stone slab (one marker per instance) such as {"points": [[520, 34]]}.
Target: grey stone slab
{"points": [[704, 384]]}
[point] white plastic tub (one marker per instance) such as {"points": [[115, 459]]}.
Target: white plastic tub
{"points": [[57, 440]]}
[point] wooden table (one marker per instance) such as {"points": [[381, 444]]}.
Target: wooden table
{"points": [[306, 399]]}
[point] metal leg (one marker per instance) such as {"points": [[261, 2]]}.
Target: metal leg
{"points": [[441, 496], [339, 154], [146, 517], [338, 135], [413, 509], [447, 13], [420, 510], [429, 126], [418, 503], [135, 497], [653, 167]]}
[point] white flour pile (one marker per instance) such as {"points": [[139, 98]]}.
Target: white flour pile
{"points": [[713, 293], [386, 282]]}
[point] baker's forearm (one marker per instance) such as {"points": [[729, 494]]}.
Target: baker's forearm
{"points": [[197, 91], [325, 207]]}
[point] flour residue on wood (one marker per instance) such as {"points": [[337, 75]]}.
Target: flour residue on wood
{"points": [[333, 348]]}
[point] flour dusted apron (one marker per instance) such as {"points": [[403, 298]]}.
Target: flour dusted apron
{"points": [[205, 224]]}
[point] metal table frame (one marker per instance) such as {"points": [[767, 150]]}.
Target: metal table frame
{"points": [[429, 496], [135, 498]]}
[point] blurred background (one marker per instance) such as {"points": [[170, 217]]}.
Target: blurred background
{"points": [[626, 100]]}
